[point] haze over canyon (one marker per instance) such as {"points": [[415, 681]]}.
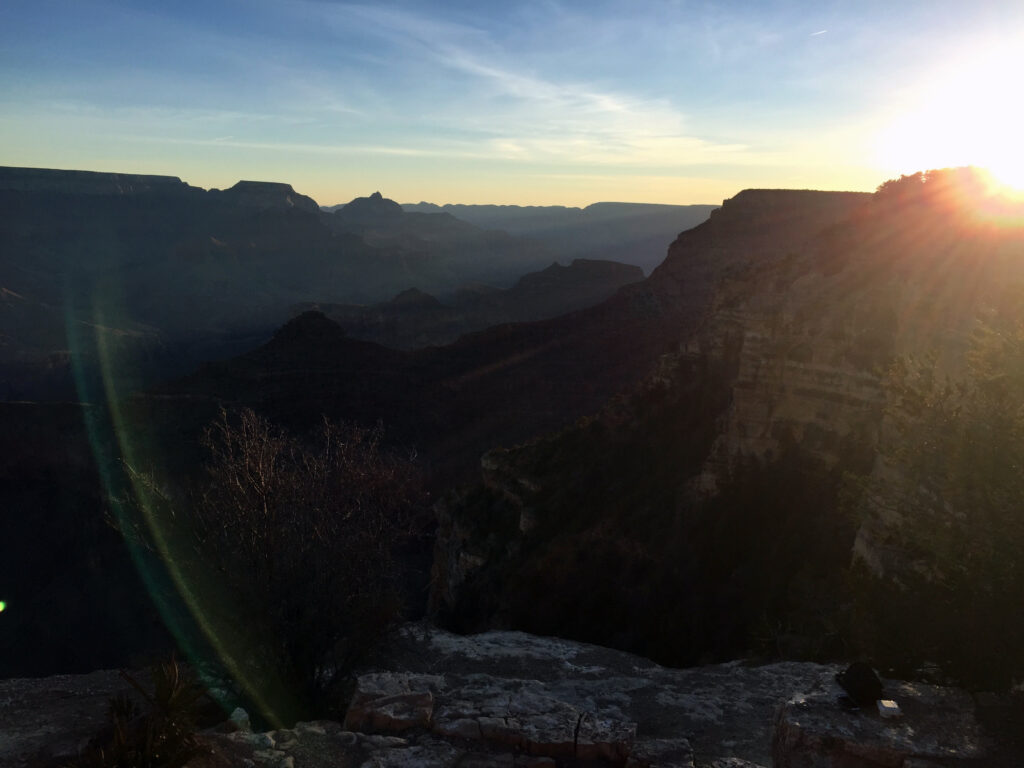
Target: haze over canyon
{"points": [[262, 432]]}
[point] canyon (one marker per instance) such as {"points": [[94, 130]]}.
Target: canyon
{"points": [[693, 468]]}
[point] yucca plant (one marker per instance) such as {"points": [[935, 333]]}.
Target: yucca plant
{"points": [[160, 734]]}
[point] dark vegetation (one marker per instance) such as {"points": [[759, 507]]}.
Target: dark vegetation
{"points": [[298, 553], [156, 728], [951, 191]]}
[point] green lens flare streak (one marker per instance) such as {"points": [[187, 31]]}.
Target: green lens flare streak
{"points": [[194, 580]]}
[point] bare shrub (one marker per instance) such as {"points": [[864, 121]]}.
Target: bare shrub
{"points": [[300, 535]]}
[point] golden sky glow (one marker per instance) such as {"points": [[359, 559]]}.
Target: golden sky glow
{"points": [[527, 102], [967, 111]]}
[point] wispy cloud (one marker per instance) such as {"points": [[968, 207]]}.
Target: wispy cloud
{"points": [[503, 91], [304, 148], [516, 112]]}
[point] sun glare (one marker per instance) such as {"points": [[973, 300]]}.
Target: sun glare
{"points": [[966, 113]]}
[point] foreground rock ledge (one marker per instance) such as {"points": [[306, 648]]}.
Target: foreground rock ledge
{"points": [[518, 701], [937, 728], [571, 701]]}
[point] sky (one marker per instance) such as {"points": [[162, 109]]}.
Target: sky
{"points": [[536, 102]]}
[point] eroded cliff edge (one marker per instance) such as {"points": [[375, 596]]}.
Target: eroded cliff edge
{"points": [[707, 505]]}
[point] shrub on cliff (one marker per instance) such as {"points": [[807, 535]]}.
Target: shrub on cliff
{"points": [[306, 532], [293, 569], [161, 733]]}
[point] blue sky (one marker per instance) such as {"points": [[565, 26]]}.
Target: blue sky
{"points": [[528, 102]]}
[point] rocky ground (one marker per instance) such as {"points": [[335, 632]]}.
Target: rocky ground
{"points": [[516, 700]]}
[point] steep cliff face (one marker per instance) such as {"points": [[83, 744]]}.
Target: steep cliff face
{"points": [[608, 516], [711, 494], [756, 226], [818, 330]]}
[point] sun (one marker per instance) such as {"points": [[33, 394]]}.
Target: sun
{"points": [[966, 112]]}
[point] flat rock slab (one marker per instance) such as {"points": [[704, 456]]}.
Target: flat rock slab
{"points": [[326, 744], [624, 706], [503, 713], [937, 727], [53, 717]]}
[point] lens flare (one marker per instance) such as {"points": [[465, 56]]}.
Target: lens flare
{"points": [[161, 552], [965, 112]]}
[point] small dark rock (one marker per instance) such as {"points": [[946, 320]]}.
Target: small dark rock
{"points": [[861, 683]]}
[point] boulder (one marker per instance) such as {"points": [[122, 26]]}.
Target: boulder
{"points": [[391, 703], [937, 725]]}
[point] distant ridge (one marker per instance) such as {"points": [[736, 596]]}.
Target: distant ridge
{"points": [[270, 194], [416, 319], [631, 233], [260, 194], [85, 182], [376, 207], [184, 274]]}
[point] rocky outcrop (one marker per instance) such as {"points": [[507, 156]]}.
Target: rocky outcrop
{"points": [[504, 715], [754, 228], [625, 492], [519, 701], [269, 194], [374, 208], [936, 726], [817, 332], [558, 699], [819, 327], [728, 477], [809, 351]]}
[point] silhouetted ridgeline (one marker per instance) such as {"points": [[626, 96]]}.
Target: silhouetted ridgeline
{"points": [[161, 275], [86, 182]]}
